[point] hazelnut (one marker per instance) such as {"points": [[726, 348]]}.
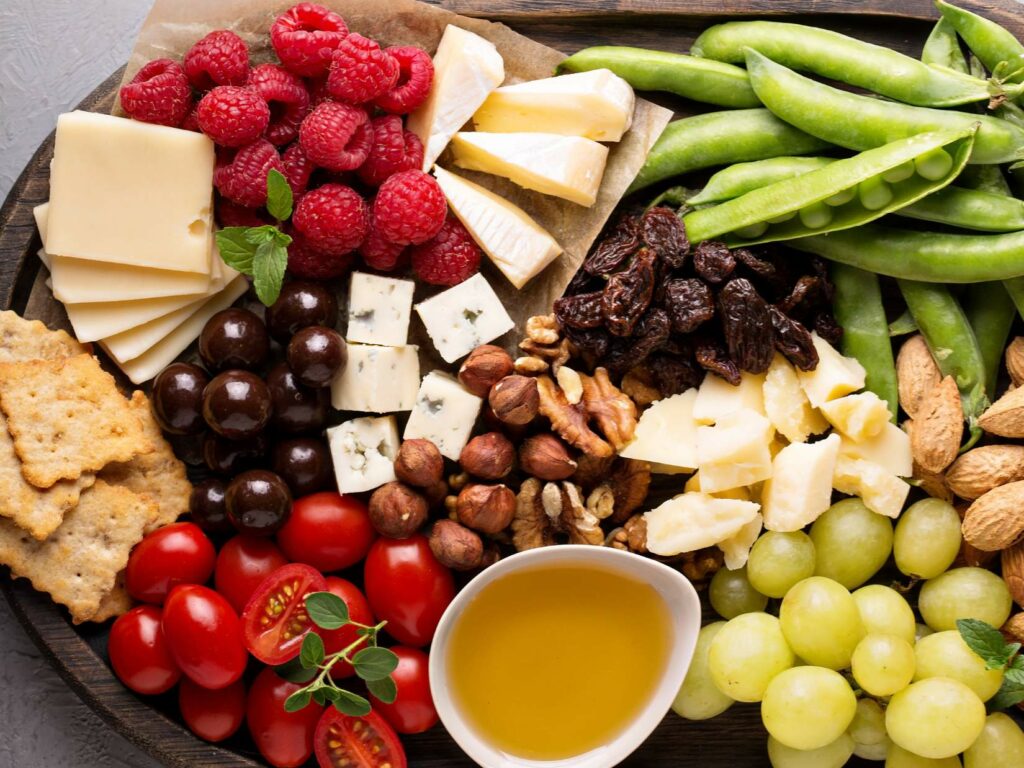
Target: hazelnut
{"points": [[486, 508], [515, 399], [419, 463], [435, 494], [546, 457], [455, 546], [397, 511], [485, 367], [489, 456]]}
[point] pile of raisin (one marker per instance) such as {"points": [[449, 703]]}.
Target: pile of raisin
{"points": [[643, 297]]}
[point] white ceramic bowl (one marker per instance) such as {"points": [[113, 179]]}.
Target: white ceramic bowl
{"points": [[684, 610]]}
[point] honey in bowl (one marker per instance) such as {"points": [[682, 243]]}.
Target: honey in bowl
{"points": [[549, 663]]}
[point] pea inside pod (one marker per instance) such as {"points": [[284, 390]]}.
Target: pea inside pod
{"points": [[808, 195], [741, 178], [992, 43]]}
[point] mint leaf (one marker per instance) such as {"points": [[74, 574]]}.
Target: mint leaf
{"points": [[279, 196], [374, 663], [268, 266], [349, 703], [384, 689], [1011, 692], [294, 672], [235, 248], [298, 700], [260, 235], [312, 653], [987, 642], [327, 610]]}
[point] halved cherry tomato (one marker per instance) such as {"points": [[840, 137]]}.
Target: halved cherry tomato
{"points": [[212, 715], [204, 636], [343, 741], [358, 611], [242, 565], [285, 739], [139, 654], [327, 531], [175, 554], [407, 587], [413, 710], [275, 618]]}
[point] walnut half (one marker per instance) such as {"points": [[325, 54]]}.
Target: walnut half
{"points": [[602, 403]]}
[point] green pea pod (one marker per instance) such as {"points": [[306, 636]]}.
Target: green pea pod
{"points": [[858, 309], [952, 343], [861, 122], [903, 325], [994, 45], [1015, 288], [807, 195], [721, 138], [990, 311], [969, 209], [942, 48], [846, 59], [711, 82], [741, 178], [985, 178]]}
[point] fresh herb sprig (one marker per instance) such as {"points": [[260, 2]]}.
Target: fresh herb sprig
{"points": [[313, 666], [262, 252], [988, 643]]}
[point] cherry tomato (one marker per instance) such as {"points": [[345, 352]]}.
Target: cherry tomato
{"points": [[204, 636], [242, 565], [358, 611], [413, 710], [407, 587], [139, 654], [285, 739], [212, 715], [343, 741], [275, 619], [175, 554], [327, 531]]}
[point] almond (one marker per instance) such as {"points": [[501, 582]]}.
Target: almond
{"points": [[996, 520], [1015, 361], [1013, 572], [916, 373], [1005, 417], [938, 427], [1014, 628], [981, 469], [969, 554]]}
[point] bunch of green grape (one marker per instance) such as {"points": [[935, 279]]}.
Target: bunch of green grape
{"points": [[839, 673]]}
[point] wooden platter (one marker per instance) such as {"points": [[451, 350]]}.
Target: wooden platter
{"points": [[735, 739]]}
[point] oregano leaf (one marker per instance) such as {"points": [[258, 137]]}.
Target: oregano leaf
{"points": [[298, 700], [384, 689], [294, 672], [349, 703], [374, 663], [312, 652], [327, 610], [279, 196]]}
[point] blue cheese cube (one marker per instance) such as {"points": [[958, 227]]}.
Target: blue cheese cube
{"points": [[377, 379], [363, 451], [444, 414], [379, 310], [464, 317]]}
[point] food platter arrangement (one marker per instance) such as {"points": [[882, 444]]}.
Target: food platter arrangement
{"points": [[413, 394]]}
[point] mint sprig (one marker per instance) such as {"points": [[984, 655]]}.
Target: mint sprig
{"points": [[990, 645], [312, 668], [262, 252]]}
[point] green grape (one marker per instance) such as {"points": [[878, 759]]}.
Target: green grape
{"points": [[964, 593], [1001, 745], [884, 612], [935, 718], [927, 538], [923, 630], [900, 758], [883, 664], [945, 654], [870, 741], [746, 654], [850, 543], [821, 622], [731, 594], [779, 560], [698, 698], [808, 707], [832, 755]]}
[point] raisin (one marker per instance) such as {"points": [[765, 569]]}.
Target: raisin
{"points": [[826, 326], [711, 356], [808, 294], [582, 282], [793, 340], [580, 311], [673, 374], [628, 294], [689, 303], [652, 332], [713, 261], [615, 248], [593, 342], [663, 232], [746, 325], [758, 267]]}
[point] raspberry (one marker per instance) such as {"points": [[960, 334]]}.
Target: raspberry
{"points": [[380, 254], [305, 36], [332, 218], [297, 169], [159, 93], [448, 258], [220, 58], [231, 214], [415, 76], [191, 121], [393, 150], [410, 208], [243, 179], [287, 98], [306, 261], [317, 87], [336, 136], [360, 71], [233, 116]]}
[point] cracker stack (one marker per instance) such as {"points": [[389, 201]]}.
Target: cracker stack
{"points": [[84, 472]]}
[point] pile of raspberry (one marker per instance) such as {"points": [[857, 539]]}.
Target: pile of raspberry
{"points": [[329, 117]]}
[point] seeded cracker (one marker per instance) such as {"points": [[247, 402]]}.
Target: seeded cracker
{"points": [[67, 417], [80, 561], [115, 603], [22, 339]]}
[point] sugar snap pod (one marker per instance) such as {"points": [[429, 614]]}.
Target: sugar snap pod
{"points": [[989, 41], [808, 203], [741, 178], [990, 311], [942, 48]]}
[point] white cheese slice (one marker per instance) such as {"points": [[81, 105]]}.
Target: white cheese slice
{"points": [[834, 377], [880, 490], [128, 192], [786, 405], [735, 452], [569, 167], [666, 433], [444, 414], [517, 245], [800, 488], [693, 521], [716, 397], [466, 69], [463, 317], [858, 417], [377, 379], [379, 309], [890, 448], [363, 451], [737, 547]]}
